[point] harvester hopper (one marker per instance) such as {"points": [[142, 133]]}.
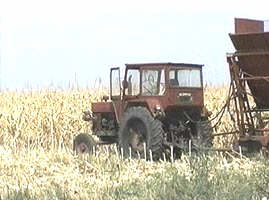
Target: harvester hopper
{"points": [[249, 69]]}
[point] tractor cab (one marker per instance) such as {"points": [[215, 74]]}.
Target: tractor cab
{"points": [[171, 84], [153, 79]]}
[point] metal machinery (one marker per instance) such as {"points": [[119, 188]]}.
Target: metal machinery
{"points": [[157, 105], [162, 105], [249, 70]]}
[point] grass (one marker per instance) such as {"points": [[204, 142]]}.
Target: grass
{"points": [[40, 174], [205, 180], [37, 161]]}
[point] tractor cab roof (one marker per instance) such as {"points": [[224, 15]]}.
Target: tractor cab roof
{"points": [[163, 65]]}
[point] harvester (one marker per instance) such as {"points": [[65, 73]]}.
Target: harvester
{"points": [[249, 70]]}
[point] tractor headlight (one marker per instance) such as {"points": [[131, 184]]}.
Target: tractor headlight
{"points": [[158, 111], [158, 108]]}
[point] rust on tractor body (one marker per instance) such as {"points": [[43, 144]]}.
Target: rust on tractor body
{"points": [[102, 107], [173, 95], [171, 92]]}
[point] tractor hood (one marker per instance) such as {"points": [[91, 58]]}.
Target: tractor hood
{"points": [[102, 107]]}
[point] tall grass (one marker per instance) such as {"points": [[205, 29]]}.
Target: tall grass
{"points": [[47, 118], [37, 162]]}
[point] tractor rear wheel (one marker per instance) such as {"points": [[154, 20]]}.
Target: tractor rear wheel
{"points": [[204, 134], [139, 131], [83, 143]]}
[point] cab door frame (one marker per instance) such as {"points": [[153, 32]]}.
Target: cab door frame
{"points": [[118, 96], [116, 99]]}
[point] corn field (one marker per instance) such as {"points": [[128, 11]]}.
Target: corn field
{"points": [[37, 161]]}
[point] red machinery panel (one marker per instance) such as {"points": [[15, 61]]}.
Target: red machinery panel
{"points": [[248, 26], [252, 51]]}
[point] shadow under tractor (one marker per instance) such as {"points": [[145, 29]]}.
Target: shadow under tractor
{"points": [[156, 106]]}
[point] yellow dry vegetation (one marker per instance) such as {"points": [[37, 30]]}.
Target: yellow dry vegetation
{"points": [[215, 99], [47, 118], [36, 133]]}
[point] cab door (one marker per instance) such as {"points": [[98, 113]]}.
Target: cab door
{"points": [[115, 84], [116, 91]]}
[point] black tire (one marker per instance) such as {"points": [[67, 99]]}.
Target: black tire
{"points": [[139, 127], [83, 143], [204, 134]]}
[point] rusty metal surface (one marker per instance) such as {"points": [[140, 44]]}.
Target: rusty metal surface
{"points": [[102, 107], [249, 68], [251, 42], [248, 25], [170, 98], [179, 107], [253, 60], [196, 96]]}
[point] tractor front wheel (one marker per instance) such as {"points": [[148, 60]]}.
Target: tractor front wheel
{"points": [[83, 143]]}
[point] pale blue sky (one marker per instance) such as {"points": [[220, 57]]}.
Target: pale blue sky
{"points": [[58, 40]]}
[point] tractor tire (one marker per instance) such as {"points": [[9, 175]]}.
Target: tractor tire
{"points": [[204, 134], [137, 129], [83, 143]]}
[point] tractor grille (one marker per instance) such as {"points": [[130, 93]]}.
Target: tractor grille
{"points": [[184, 98]]}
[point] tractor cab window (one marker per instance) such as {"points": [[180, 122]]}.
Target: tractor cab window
{"points": [[185, 77], [153, 82], [133, 80]]}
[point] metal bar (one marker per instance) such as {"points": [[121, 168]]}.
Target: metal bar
{"points": [[255, 78], [236, 73], [259, 53], [229, 60], [250, 117], [244, 118], [115, 111], [243, 100], [245, 103], [226, 133]]}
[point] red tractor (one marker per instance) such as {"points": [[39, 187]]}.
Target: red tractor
{"points": [[156, 106]]}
